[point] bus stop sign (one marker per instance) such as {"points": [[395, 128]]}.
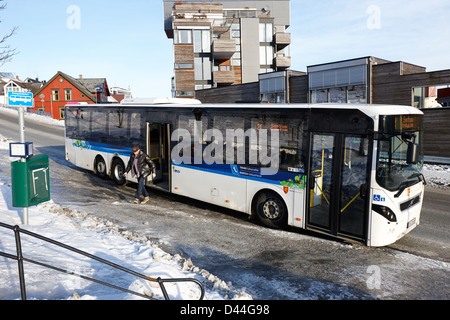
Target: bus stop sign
{"points": [[24, 99]]}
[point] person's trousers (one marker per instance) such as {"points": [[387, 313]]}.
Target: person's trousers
{"points": [[141, 188]]}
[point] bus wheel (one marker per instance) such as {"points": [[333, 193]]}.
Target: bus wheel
{"points": [[100, 167], [271, 210], [117, 170]]}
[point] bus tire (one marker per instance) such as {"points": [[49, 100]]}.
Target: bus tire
{"points": [[271, 210], [117, 171], [100, 167]]}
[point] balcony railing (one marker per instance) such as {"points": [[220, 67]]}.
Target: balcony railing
{"points": [[282, 61], [224, 77], [224, 49], [282, 39]]}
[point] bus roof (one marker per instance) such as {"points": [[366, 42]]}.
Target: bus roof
{"points": [[158, 101], [371, 110]]}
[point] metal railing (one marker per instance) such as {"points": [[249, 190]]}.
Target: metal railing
{"points": [[21, 259]]}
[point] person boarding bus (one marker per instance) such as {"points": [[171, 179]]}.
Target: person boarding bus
{"points": [[141, 166]]}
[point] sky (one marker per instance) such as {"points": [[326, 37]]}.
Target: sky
{"points": [[124, 41]]}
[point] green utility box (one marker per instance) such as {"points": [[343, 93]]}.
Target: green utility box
{"points": [[30, 181]]}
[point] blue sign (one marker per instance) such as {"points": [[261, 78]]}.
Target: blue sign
{"points": [[24, 99]]}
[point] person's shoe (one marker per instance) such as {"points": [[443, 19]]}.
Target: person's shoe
{"points": [[136, 201], [145, 200]]}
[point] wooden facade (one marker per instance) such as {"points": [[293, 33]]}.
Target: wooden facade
{"points": [[437, 136], [393, 83], [244, 93]]}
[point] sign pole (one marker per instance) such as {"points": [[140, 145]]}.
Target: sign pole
{"points": [[21, 100], [22, 140]]}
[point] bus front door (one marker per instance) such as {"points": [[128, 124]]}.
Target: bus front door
{"points": [[337, 182], [158, 149]]}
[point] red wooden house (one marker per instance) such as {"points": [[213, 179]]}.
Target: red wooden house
{"points": [[63, 89]]}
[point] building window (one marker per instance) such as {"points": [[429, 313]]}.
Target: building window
{"points": [[350, 94], [184, 93], [235, 30], [202, 68], [319, 96], [265, 32], [55, 94], [61, 113], [265, 55], [357, 94], [183, 36], [202, 41], [68, 94], [184, 65], [338, 95], [202, 86], [355, 75]]}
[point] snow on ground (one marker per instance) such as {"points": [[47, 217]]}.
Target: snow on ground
{"points": [[97, 237], [437, 175]]}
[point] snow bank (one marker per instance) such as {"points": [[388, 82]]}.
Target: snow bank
{"points": [[103, 239], [35, 116], [437, 175]]}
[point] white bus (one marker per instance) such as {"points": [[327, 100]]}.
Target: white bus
{"points": [[350, 171]]}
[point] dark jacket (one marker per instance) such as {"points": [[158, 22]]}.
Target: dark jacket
{"points": [[145, 164]]}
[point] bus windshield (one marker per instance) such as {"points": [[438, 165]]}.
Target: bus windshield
{"points": [[397, 134]]}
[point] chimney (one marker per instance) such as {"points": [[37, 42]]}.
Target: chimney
{"points": [[80, 76]]}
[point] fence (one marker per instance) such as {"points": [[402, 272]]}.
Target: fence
{"points": [[21, 259]]}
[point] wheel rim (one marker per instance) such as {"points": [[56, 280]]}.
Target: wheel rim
{"points": [[101, 167], [271, 209], [118, 172]]}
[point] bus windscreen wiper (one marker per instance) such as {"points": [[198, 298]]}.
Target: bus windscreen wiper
{"points": [[406, 184]]}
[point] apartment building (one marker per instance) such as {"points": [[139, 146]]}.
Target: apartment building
{"points": [[222, 43]]}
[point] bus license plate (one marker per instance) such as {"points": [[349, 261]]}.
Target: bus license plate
{"points": [[411, 223]]}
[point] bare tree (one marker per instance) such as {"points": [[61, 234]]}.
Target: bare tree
{"points": [[6, 52]]}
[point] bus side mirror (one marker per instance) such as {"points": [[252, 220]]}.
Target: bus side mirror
{"points": [[411, 156]]}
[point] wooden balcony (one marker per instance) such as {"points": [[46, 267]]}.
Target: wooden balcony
{"points": [[282, 39], [282, 62], [224, 49], [223, 77]]}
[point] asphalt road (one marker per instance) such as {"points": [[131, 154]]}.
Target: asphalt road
{"points": [[270, 264]]}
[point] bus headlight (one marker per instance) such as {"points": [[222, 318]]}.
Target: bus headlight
{"points": [[385, 212]]}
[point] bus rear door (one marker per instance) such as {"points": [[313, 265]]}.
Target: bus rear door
{"points": [[158, 148]]}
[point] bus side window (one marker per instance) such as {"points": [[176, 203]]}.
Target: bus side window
{"points": [[119, 133], [72, 123], [84, 117], [291, 140]]}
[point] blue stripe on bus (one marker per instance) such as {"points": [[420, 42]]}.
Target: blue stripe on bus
{"points": [[283, 178], [102, 147], [286, 179]]}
